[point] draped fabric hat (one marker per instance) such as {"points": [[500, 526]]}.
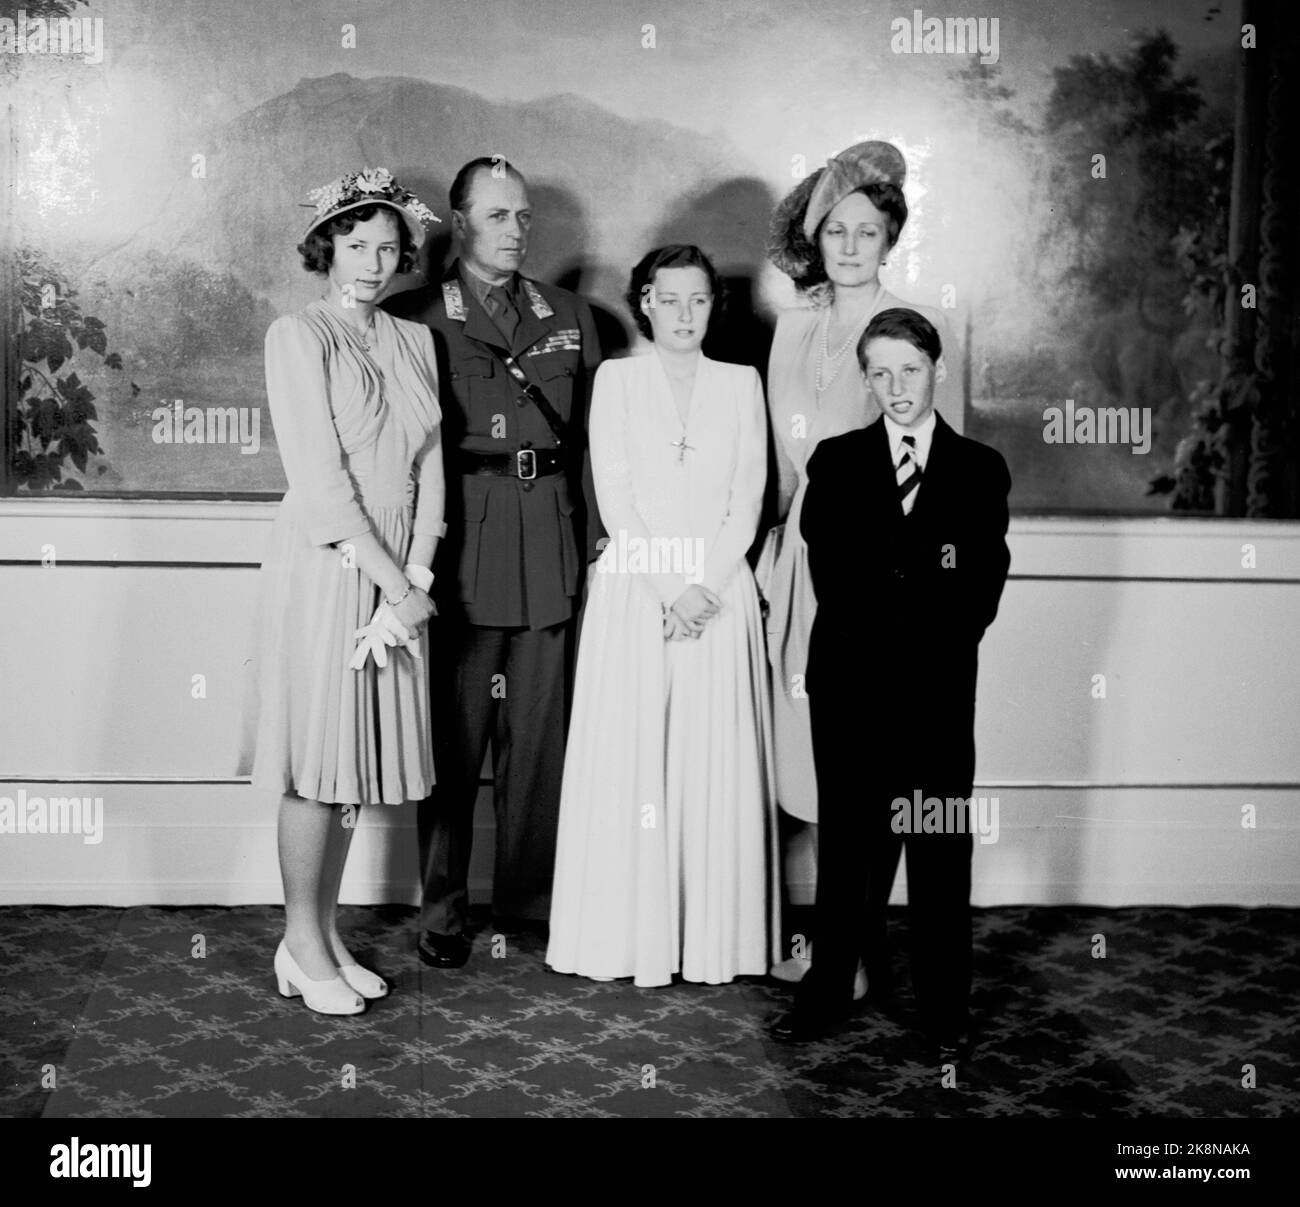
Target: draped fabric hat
{"points": [[370, 186], [864, 163]]}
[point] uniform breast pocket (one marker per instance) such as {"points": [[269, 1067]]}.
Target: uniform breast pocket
{"points": [[557, 371], [472, 380]]}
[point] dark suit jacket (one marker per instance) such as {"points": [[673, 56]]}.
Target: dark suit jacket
{"points": [[902, 601], [515, 550]]}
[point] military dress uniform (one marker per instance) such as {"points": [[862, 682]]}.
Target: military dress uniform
{"points": [[508, 576]]}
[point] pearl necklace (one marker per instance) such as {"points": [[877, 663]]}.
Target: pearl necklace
{"points": [[836, 358]]}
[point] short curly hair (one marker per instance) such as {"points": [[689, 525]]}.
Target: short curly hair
{"points": [[317, 249], [674, 255], [799, 257]]}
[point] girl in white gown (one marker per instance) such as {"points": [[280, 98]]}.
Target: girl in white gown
{"points": [[667, 858]]}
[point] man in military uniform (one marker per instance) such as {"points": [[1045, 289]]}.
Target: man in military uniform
{"points": [[515, 361]]}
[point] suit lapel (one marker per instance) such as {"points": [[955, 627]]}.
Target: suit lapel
{"points": [[531, 328], [940, 451], [878, 467], [479, 324]]}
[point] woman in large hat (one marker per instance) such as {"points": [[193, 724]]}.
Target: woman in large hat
{"points": [[343, 715], [831, 235]]}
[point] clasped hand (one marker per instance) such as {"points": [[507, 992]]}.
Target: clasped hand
{"points": [[690, 612], [395, 624]]}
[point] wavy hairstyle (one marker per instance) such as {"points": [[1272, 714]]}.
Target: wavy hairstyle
{"points": [[674, 255], [317, 249]]}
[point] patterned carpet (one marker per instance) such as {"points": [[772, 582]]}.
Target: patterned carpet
{"points": [[108, 1013]]}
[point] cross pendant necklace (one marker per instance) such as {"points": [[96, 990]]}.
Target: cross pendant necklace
{"points": [[681, 388], [368, 334]]}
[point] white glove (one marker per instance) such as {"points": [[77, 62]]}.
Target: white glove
{"points": [[387, 620], [417, 576], [385, 629], [372, 639]]}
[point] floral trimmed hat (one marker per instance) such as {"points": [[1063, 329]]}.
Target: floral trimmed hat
{"points": [[370, 186]]}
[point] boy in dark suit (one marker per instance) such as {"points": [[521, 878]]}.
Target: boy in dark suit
{"points": [[905, 523]]}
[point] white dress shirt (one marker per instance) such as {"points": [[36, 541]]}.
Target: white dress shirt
{"points": [[924, 433]]}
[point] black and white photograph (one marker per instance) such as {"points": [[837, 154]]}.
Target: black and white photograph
{"points": [[589, 559]]}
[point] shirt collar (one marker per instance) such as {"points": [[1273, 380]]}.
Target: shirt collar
{"points": [[924, 434], [480, 287]]}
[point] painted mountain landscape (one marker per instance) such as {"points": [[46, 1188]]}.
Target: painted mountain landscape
{"points": [[186, 300], [1067, 204]]}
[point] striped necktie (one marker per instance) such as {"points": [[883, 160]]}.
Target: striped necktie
{"points": [[908, 475]]}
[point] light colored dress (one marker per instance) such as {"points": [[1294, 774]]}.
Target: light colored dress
{"points": [[801, 418], [360, 438], [666, 859]]}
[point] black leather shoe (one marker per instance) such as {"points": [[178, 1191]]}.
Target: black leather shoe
{"points": [[803, 1026], [444, 951]]}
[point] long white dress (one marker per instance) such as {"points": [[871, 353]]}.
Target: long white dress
{"points": [[666, 858]]}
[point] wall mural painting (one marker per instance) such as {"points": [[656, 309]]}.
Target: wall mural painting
{"points": [[1070, 180]]}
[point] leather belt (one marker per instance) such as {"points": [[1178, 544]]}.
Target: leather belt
{"points": [[526, 464]]}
